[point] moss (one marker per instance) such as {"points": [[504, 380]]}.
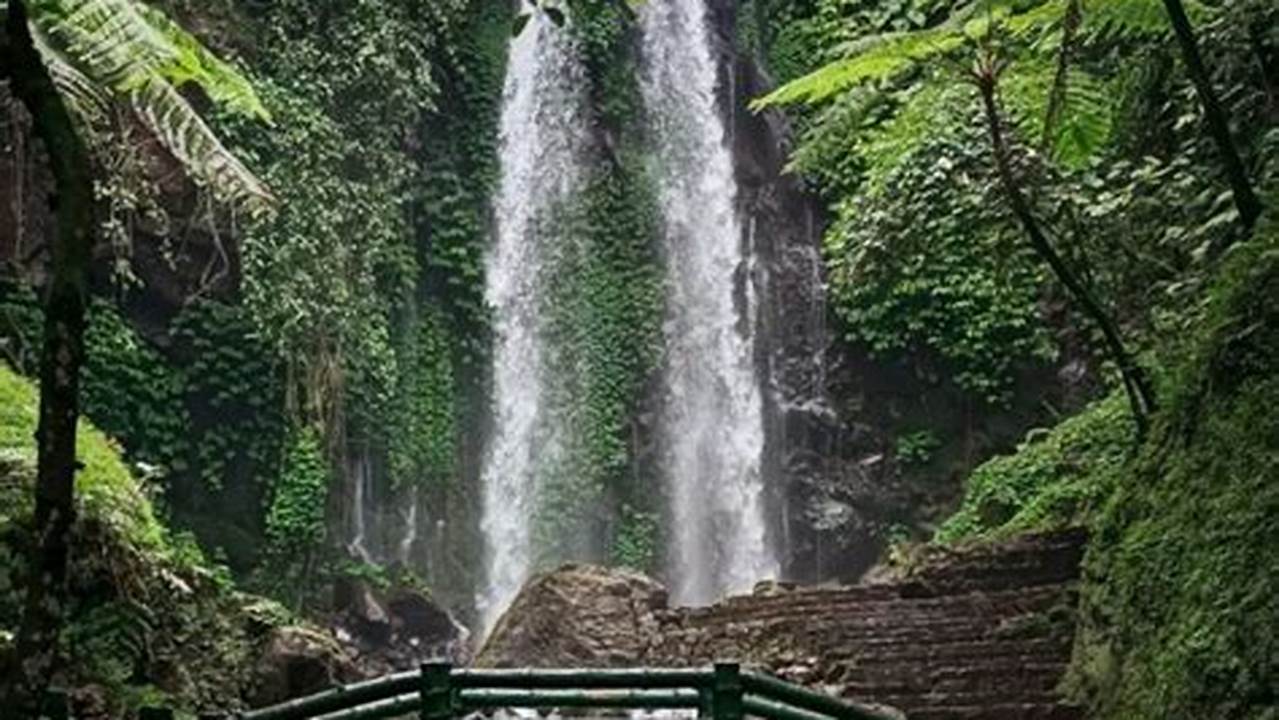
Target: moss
{"points": [[105, 487], [151, 620], [1182, 577], [1056, 478], [1180, 598]]}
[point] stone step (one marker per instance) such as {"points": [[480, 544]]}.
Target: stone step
{"points": [[1000, 711], [908, 702], [879, 653], [1006, 670], [990, 602]]}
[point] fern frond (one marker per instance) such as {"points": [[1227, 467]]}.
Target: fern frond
{"points": [[875, 58], [184, 134], [223, 83], [1086, 117], [107, 39], [88, 101], [102, 51]]}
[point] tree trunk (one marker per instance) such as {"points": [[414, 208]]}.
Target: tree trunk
{"points": [[1140, 393], [1240, 185], [36, 655]]}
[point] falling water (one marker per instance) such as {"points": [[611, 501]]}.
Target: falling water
{"points": [[543, 129], [712, 422], [362, 479], [410, 530]]}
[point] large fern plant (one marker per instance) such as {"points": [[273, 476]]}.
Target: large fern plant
{"points": [[1079, 127], [108, 54]]}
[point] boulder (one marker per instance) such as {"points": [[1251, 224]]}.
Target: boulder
{"points": [[396, 628], [577, 616], [296, 661]]}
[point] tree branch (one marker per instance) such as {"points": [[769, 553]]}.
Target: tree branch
{"points": [[1140, 393]]}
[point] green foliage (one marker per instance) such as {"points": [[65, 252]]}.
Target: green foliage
{"points": [[295, 518], [636, 542], [1056, 478], [21, 323], [132, 393], [460, 150], [916, 448], [1182, 579], [1179, 594], [105, 489], [603, 310], [122, 52], [424, 449], [938, 271], [233, 393]]}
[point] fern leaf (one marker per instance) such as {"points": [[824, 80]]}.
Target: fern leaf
{"points": [[1086, 117], [877, 58], [184, 134], [224, 84], [1134, 18], [102, 51]]}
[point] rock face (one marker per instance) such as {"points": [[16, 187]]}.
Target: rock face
{"points": [[396, 628], [298, 661], [577, 615], [979, 634]]}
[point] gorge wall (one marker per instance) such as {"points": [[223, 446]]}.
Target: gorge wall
{"points": [[413, 399]]}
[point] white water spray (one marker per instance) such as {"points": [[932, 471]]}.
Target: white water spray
{"points": [[362, 479], [543, 132], [712, 424]]}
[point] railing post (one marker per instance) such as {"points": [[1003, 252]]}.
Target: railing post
{"points": [[726, 692], [436, 691]]}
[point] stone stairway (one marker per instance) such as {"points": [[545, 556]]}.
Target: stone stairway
{"points": [[979, 634], [982, 634]]}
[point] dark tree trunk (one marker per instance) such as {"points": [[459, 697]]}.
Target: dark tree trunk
{"points": [[36, 655], [1140, 393], [1240, 185]]}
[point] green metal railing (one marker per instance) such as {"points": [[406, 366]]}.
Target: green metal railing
{"points": [[438, 691]]}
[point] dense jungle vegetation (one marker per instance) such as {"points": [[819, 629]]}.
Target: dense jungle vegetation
{"points": [[264, 274]]}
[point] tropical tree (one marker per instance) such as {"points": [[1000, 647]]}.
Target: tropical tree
{"points": [[70, 62], [1063, 104]]}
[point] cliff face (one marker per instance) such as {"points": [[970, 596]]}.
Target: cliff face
{"points": [[835, 414]]}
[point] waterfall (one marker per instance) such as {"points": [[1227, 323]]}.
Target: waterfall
{"points": [[712, 421], [543, 131], [362, 480], [410, 529]]}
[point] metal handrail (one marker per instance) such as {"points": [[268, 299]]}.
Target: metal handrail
{"points": [[437, 691]]}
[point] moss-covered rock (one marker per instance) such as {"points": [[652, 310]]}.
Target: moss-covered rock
{"points": [[151, 620], [1180, 599], [1057, 478]]}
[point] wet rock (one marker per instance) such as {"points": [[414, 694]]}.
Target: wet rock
{"points": [[297, 661], [396, 628], [578, 615]]}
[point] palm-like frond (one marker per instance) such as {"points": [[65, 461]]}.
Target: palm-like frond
{"points": [[875, 58], [884, 56], [190, 140], [1086, 116], [104, 51]]}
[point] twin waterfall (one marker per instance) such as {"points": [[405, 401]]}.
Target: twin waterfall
{"points": [[711, 429]]}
